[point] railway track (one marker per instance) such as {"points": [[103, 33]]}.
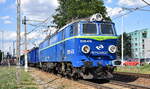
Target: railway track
{"points": [[113, 85], [127, 85], [95, 85], [132, 74], [110, 84]]}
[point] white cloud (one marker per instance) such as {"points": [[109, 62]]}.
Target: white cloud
{"points": [[8, 47], [9, 35], [4, 17], [7, 22], [2, 1], [33, 35], [32, 38], [39, 9], [37, 37], [114, 11], [109, 1], [131, 3]]}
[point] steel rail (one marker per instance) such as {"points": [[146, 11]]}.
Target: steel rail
{"points": [[95, 85], [112, 82], [127, 85], [133, 74]]}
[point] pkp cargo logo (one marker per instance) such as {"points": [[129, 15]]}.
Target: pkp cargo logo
{"points": [[99, 47]]}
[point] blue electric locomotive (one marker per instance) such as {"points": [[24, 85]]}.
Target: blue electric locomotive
{"points": [[82, 49]]}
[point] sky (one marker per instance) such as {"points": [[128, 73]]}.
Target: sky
{"points": [[39, 10]]}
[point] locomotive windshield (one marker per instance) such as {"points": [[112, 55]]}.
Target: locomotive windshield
{"points": [[107, 29], [89, 28]]}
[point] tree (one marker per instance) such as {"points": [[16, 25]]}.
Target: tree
{"points": [[126, 45], [69, 10]]}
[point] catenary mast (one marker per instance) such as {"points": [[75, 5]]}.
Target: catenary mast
{"points": [[18, 32]]}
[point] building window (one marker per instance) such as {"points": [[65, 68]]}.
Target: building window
{"points": [[144, 34], [143, 46], [135, 44], [132, 39], [134, 33], [132, 50], [136, 49], [142, 40]]}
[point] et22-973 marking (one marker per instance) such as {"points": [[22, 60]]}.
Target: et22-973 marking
{"points": [[85, 41]]}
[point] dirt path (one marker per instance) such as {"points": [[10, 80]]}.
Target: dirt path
{"points": [[46, 80]]}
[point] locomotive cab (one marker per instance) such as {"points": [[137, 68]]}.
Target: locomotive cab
{"points": [[97, 28], [98, 39]]}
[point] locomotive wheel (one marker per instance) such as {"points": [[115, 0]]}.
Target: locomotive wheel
{"points": [[75, 74]]}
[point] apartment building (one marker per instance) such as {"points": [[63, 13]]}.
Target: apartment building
{"points": [[140, 43]]}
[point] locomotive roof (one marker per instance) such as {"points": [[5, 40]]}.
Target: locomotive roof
{"points": [[79, 20], [63, 28], [33, 48], [74, 21]]}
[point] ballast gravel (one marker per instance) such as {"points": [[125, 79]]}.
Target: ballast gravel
{"points": [[46, 80]]}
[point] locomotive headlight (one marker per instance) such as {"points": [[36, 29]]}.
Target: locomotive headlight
{"points": [[112, 48], [85, 49]]}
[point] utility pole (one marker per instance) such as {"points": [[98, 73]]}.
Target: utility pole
{"points": [[25, 42], [122, 49], [18, 73], [13, 48], [18, 32]]}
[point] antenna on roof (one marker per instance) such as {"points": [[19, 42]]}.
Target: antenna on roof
{"points": [[96, 17]]}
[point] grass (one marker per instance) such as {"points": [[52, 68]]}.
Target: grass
{"points": [[9, 79], [134, 69]]}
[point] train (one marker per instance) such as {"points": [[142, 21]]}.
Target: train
{"points": [[33, 57], [82, 49]]}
